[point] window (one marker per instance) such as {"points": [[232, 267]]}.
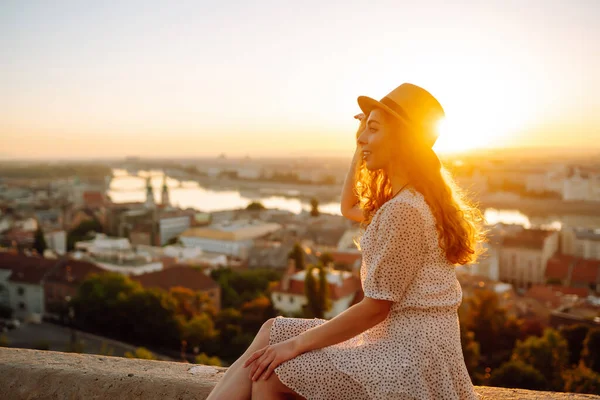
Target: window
{"points": [[278, 297], [291, 299], [21, 306], [21, 291]]}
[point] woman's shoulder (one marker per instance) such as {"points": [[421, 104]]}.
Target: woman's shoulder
{"points": [[405, 203], [408, 198]]}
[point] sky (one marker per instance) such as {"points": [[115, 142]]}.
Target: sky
{"points": [[89, 79]]}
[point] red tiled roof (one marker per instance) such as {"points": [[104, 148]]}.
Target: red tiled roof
{"points": [[26, 269], [349, 285], [581, 292], [545, 295], [73, 271], [586, 271], [93, 198], [558, 266], [180, 275]]}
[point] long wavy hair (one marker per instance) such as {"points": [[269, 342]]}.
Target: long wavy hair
{"points": [[459, 223]]}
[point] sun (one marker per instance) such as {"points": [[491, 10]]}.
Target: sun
{"points": [[456, 135]]}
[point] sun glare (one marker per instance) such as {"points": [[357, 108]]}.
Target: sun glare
{"points": [[454, 136]]}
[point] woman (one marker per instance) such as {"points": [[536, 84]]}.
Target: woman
{"points": [[402, 341]]}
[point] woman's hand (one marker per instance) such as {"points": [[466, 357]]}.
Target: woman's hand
{"points": [[265, 360]]}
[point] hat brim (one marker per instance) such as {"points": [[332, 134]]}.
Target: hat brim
{"points": [[367, 104]]}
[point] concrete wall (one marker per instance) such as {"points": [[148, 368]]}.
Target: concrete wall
{"points": [[33, 374]]}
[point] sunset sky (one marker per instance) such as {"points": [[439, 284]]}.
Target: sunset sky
{"points": [[95, 79]]}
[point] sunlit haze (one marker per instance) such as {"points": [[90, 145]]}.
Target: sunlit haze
{"points": [[170, 79]]}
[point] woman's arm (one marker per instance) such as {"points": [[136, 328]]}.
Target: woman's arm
{"points": [[349, 202], [356, 319]]}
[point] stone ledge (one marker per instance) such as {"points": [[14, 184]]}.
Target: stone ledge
{"points": [[34, 374]]}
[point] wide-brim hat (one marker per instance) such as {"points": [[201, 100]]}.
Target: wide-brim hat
{"points": [[414, 106]]}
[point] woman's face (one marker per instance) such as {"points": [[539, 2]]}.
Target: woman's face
{"points": [[375, 141]]}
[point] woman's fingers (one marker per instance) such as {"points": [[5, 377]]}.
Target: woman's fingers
{"points": [[254, 356], [262, 365], [274, 364]]}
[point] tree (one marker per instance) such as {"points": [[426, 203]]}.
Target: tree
{"points": [[203, 359], [316, 292], [470, 349], [148, 316], [314, 207], [255, 313], [39, 242], [98, 301], [255, 206], [495, 332], [82, 232], [239, 287], [199, 330], [575, 335], [297, 254], [323, 294], [548, 354], [591, 350], [142, 353], [517, 374], [582, 380], [326, 258]]}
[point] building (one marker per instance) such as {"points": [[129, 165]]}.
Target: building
{"points": [[523, 256], [582, 184], [275, 255], [22, 284], [581, 242], [288, 295], [62, 283], [487, 265], [574, 272], [234, 238], [56, 240], [186, 277], [175, 255], [115, 255]]}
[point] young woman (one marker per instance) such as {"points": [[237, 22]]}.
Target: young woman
{"points": [[402, 341]]}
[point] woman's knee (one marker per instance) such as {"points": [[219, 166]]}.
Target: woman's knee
{"points": [[266, 326]]}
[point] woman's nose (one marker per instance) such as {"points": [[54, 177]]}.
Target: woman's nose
{"points": [[361, 139]]}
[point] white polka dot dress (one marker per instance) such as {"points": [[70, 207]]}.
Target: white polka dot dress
{"points": [[416, 352]]}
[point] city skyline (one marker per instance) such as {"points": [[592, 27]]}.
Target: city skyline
{"points": [[199, 79]]}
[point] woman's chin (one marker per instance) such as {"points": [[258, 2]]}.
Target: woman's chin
{"points": [[371, 166]]}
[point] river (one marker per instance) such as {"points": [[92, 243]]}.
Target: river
{"points": [[125, 187]]}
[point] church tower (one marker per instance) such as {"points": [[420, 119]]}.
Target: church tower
{"points": [[165, 193], [149, 194]]}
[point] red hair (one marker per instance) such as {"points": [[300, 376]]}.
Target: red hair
{"points": [[458, 221]]}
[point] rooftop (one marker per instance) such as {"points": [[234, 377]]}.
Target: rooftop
{"points": [[234, 230], [26, 269], [527, 238], [178, 275]]}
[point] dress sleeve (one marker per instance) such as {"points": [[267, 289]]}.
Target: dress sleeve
{"points": [[398, 254]]}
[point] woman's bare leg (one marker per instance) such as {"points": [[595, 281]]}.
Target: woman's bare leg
{"points": [[273, 389], [236, 383]]}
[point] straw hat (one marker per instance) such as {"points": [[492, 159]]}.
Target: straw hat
{"points": [[412, 105]]}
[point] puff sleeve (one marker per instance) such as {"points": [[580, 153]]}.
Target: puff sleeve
{"points": [[396, 254]]}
